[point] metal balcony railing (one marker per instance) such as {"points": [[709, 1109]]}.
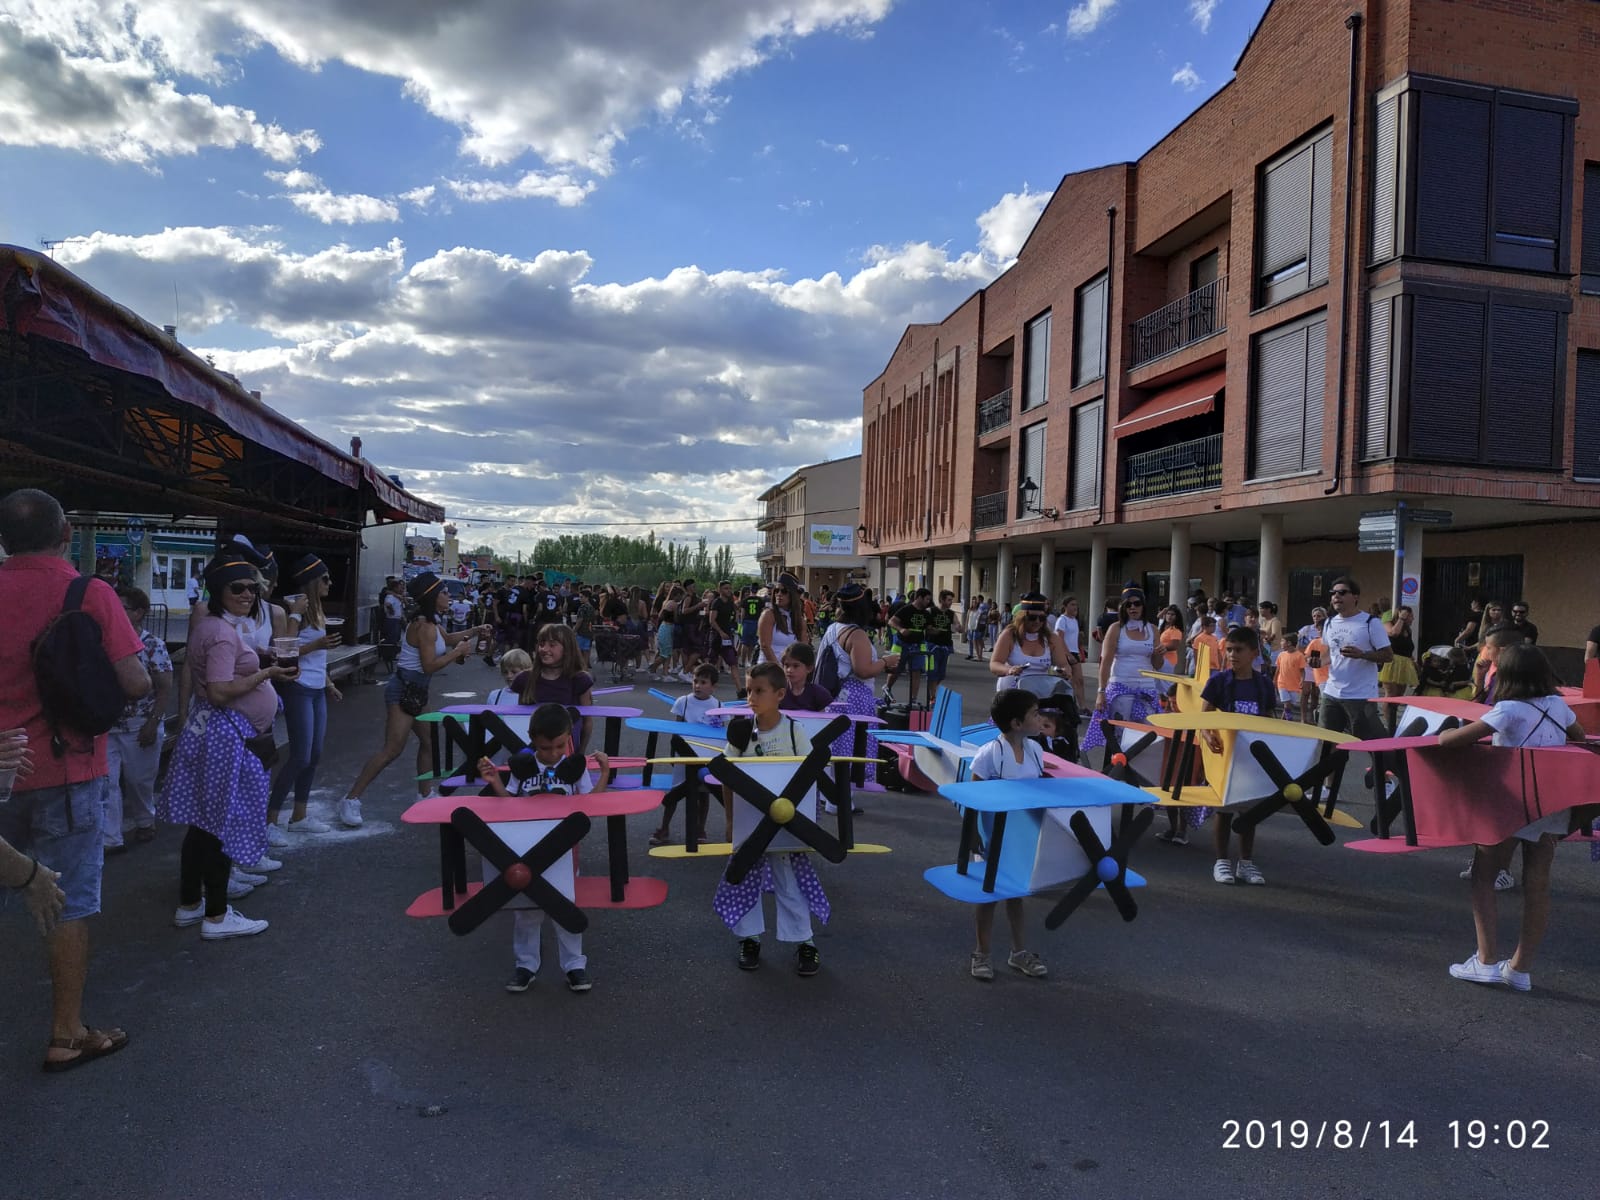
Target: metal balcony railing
{"points": [[1192, 466], [994, 413], [989, 511], [1198, 315]]}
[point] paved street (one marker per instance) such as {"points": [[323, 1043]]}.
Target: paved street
{"points": [[303, 1063]]}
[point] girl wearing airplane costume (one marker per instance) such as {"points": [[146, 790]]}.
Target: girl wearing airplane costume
{"points": [[1012, 755]]}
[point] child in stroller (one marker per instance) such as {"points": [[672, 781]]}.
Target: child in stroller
{"points": [[620, 649]]}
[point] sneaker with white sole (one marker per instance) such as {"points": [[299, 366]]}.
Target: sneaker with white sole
{"points": [[277, 839], [1474, 971], [1250, 873], [1503, 882], [264, 864], [1222, 872], [309, 825], [183, 918], [982, 968], [1028, 963], [233, 924], [243, 876], [1517, 981], [350, 813], [238, 889]]}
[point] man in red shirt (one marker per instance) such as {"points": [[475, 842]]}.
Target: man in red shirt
{"points": [[55, 811]]}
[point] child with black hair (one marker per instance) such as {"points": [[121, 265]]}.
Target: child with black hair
{"points": [[1015, 754], [1058, 727], [550, 738], [1528, 711], [695, 708], [801, 695], [1237, 688]]}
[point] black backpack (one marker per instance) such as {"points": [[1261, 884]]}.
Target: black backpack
{"points": [[78, 686], [827, 675]]}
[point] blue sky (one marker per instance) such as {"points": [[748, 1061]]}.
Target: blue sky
{"points": [[590, 260]]}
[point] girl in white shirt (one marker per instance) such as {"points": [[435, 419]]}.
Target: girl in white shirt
{"points": [[1528, 712]]}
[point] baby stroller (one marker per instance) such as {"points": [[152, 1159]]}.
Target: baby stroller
{"points": [[621, 650]]}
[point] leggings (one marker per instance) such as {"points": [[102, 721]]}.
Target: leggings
{"points": [[202, 863]]}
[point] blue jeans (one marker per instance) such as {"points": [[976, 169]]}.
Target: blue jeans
{"points": [[305, 711], [60, 826]]}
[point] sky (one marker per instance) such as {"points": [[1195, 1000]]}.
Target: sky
{"points": [[615, 263]]}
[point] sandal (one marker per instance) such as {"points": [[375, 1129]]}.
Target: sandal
{"points": [[90, 1045]]}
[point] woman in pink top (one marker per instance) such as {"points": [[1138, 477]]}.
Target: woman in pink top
{"points": [[217, 781]]}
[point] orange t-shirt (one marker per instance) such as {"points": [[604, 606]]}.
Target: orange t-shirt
{"points": [[1213, 647], [1291, 670], [1319, 674], [1171, 645]]}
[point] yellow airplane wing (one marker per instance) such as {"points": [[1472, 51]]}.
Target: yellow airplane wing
{"points": [[1242, 723], [723, 849], [1194, 795]]}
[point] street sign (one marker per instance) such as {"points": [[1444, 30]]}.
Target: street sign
{"points": [[1376, 542], [135, 530], [1430, 516]]}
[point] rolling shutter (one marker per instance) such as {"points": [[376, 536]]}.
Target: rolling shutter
{"points": [[1447, 344], [1520, 408], [1385, 182], [1586, 418], [1286, 199], [1032, 504], [1321, 201], [1278, 428], [1378, 401], [1452, 177], [1088, 433], [1591, 228], [1036, 363], [1315, 390], [1529, 158], [1089, 333]]}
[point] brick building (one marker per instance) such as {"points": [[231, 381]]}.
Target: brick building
{"points": [[808, 524], [1360, 275]]}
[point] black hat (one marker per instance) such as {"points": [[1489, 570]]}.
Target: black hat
{"points": [[423, 587], [849, 592], [227, 567], [789, 581], [239, 546], [306, 569]]}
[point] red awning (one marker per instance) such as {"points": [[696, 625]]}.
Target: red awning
{"points": [[1191, 398]]}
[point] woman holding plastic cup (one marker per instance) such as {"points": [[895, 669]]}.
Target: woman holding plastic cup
{"points": [[305, 697]]}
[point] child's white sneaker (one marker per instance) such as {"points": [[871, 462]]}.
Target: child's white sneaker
{"points": [[1517, 981], [1474, 971], [1250, 873], [1222, 872]]}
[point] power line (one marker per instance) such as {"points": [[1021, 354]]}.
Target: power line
{"points": [[825, 512]]}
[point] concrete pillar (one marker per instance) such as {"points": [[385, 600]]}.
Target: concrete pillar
{"points": [[1002, 576], [966, 578], [1178, 566], [1091, 608], [1047, 571], [86, 548], [1410, 572], [1273, 582], [927, 570], [900, 586]]}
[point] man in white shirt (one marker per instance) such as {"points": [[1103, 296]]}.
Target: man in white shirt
{"points": [[1357, 647]]}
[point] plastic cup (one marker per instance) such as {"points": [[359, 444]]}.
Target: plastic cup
{"points": [[8, 777], [287, 652], [334, 622]]}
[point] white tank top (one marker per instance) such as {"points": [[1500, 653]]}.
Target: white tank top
{"points": [[781, 641], [1033, 665], [410, 658], [1133, 656]]}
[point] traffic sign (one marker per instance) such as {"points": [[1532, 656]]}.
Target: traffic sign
{"points": [[1373, 543], [1430, 516], [135, 530]]}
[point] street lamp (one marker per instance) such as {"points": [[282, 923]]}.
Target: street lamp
{"points": [[1030, 493], [861, 536]]}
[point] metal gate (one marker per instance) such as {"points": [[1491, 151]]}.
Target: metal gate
{"points": [[1308, 589], [1449, 584]]}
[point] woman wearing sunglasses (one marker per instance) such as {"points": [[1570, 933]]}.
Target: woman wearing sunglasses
{"points": [[1130, 648], [1029, 654], [218, 780], [783, 621]]}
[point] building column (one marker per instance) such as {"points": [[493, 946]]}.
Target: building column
{"points": [[1099, 551], [1047, 570], [1178, 565], [900, 589], [927, 569], [966, 577], [1271, 584], [1410, 572], [1002, 577]]}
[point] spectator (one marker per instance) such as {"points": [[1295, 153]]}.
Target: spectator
{"points": [[53, 815], [1519, 621], [394, 622], [1357, 647], [133, 747]]}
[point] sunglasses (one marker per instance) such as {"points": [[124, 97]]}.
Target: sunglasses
{"points": [[240, 589], [1519, 612], [1340, 592]]}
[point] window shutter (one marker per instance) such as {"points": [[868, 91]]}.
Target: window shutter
{"points": [[1380, 376], [1315, 390], [1452, 177], [1087, 435], [1032, 468], [1447, 344], [1280, 407], [1321, 200], [1591, 227], [1286, 200], [1036, 362], [1529, 154], [1385, 182], [1586, 422], [1520, 412], [1089, 335]]}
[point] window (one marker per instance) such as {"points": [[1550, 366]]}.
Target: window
{"points": [[1586, 422], [1088, 436], [1089, 332], [1030, 485], [1378, 401], [1290, 371], [1590, 280], [1492, 174], [1386, 203], [1296, 192], [1036, 362]]}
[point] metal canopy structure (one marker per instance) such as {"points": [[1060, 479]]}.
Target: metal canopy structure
{"points": [[105, 411]]}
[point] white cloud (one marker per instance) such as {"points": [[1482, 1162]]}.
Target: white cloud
{"points": [[1003, 227], [1187, 77], [1200, 12], [333, 209], [420, 196], [562, 188], [1088, 15], [836, 147], [71, 95], [296, 180]]}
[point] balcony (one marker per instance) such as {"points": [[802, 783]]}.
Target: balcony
{"points": [[994, 413], [1182, 323], [989, 511], [769, 549], [1193, 466], [772, 515]]}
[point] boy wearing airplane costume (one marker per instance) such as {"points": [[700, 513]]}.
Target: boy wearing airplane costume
{"points": [[1237, 688]]}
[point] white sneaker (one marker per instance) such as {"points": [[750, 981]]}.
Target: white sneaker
{"points": [[244, 876], [1503, 882], [1517, 981], [309, 825], [1250, 873], [277, 839], [1222, 872], [183, 918], [1474, 971], [350, 813], [264, 864], [238, 889], [233, 924]]}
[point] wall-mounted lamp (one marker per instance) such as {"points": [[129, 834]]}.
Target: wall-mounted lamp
{"points": [[1030, 495], [863, 539]]}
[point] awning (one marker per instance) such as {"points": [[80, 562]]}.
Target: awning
{"points": [[1191, 398]]}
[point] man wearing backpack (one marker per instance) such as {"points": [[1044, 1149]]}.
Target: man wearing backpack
{"points": [[54, 813]]}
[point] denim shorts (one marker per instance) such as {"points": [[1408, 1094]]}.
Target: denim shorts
{"points": [[60, 826], [402, 676]]}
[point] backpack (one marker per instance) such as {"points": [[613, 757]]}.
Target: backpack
{"points": [[78, 687], [827, 675]]}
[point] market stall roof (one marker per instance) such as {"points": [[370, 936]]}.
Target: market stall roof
{"points": [[105, 410]]}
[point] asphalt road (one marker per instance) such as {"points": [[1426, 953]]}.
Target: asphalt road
{"points": [[353, 1052]]}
